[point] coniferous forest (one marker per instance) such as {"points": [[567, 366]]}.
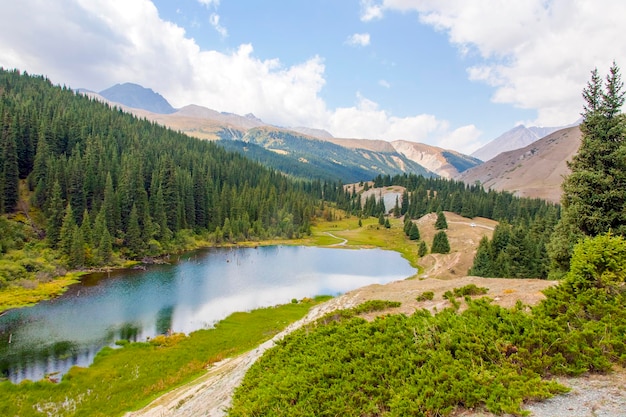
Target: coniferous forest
{"points": [[101, 182], [95, 185]]}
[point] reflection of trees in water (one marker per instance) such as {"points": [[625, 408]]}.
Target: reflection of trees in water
{"points": [[129, 331], [16, 356], [164, 320]]}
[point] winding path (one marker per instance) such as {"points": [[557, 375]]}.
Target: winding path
{"points": [[343, 243]]}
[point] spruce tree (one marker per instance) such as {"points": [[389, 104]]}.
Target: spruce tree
{"points": [[9, 176], [77, 249], [482, 266], [441, 222], [422, 249], [440, 243], [594, 194], [54, 220], [133, 241], [414, 232], [67, 230]]}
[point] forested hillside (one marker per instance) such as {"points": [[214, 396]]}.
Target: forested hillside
{"points": [[518, 248], [97, 184]]}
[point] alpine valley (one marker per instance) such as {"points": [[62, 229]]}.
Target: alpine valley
{"points": [[314, 153]]}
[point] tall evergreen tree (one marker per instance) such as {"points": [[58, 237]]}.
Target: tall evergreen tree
{"points": [[594, 194], [133, 241], [67, 234], [440, 243], [441, 222], [422, 249], [10, 176], [54, 219]]}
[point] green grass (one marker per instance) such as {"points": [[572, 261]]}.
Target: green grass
{"points": [[369, 235], [128, 378], [32, 292]]}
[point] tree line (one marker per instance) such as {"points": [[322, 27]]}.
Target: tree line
{"points": [[101, 181]]}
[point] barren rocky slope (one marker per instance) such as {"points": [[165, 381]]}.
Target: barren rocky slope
{"points": [[534, 171]]}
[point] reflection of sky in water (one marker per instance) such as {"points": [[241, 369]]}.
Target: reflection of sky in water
{"points": [[193, 294]]}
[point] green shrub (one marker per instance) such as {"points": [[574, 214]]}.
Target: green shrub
{"points": [[426, 296]]}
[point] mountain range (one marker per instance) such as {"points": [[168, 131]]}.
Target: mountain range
{"points": [[529, 161]]}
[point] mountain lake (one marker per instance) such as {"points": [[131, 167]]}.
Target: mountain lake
{"points": [[193, 292]]}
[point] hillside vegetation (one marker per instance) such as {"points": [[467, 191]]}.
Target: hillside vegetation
{"points": [[85, 185]]}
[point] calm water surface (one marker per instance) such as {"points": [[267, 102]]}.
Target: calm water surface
{"points": [[194, 293]]}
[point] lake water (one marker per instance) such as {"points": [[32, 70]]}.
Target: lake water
{"points": [[193, 293]]}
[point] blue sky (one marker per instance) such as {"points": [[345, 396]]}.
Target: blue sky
{"points": [[455, 74]]}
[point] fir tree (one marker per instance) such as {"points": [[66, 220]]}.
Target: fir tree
{"points": [[10, 175], [55, 215], [422, 249], [441, 222], [440, 243], [67, 230], [594, 194], [414, 233]]}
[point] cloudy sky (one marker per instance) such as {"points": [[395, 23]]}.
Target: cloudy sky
{"points": [[452, 73]]}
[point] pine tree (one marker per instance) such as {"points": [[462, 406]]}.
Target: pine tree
{"points": [[54, 219], [441, 222], [422, 249], [594, 194], [9, 176], [414, 232], [67, 230], [440, 243]]}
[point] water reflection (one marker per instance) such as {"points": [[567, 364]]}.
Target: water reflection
{"points": [[194, 293]]}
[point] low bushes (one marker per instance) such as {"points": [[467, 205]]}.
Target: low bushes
{"points": [[429, 365]]}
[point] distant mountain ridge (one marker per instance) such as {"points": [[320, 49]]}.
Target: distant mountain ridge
{"points": [[536, 170], [136, 96], [516, 138], [299, 151]]}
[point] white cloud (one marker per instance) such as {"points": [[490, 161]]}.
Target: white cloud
{"points": [[214, 20], [210, 3], [370, 11], [537, 54], [367, 120], [114, 41], [384, 83], [358, 39]]}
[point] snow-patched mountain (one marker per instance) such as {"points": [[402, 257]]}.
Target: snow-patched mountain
{"points": [[516, 138]]}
